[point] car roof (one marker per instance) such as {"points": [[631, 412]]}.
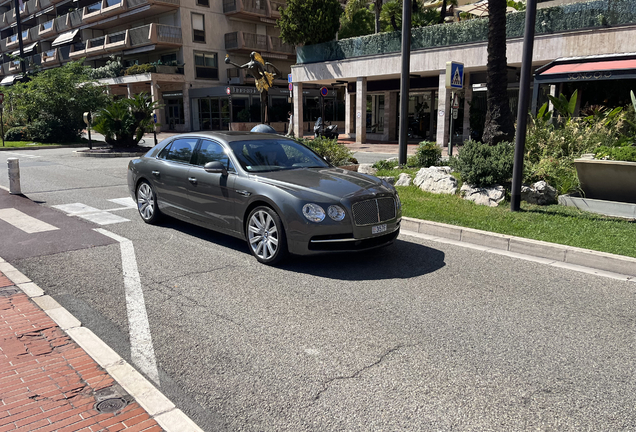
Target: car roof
{"points": [[230, 136]]}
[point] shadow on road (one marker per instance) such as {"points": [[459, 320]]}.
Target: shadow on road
{"points": [[401, 260]]}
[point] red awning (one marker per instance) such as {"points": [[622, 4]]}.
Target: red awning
{"points": [[598, 66]]}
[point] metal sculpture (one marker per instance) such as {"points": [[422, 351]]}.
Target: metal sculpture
{"points": [[259, 69]]}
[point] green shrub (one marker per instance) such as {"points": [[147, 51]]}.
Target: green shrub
{"points": [[335, 153], [140, 69], [18, 133], [626, 154], [385, 164], [428, 154], [49, 129], [481, 164]]}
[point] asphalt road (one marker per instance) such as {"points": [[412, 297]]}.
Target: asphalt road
{"points": [[417, 336]]}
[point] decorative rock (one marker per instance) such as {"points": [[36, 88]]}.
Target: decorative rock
{"points": [[490, 196], [367, 169], [389, 179], [539, 193], [393, 159], [403, 180], [436, 180]]}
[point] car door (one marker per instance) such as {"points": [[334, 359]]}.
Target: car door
{"points": [[170, 176], [212, 195]]}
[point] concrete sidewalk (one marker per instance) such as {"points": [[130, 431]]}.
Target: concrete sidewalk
{"points": [[58, 376]]}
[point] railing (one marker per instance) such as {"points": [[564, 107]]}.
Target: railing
{"points": [[99, 41], [95, 7], [61, 24], [229, 6], [557, 19], [116, 37], [277, 45], [169, 34], [46, 26], [75, 18], [275, 6], [139, 35], [255, 6], [255, 41]]}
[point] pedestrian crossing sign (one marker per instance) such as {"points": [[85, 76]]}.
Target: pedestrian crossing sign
{"points": [[454, 75]]}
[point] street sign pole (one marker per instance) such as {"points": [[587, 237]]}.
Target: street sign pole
{"points": [[2, 124], [450, 131], [154, 127]]}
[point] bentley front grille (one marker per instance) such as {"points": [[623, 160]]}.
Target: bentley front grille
{"points": [[373, 211]]}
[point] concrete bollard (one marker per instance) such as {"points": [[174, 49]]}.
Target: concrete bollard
{"points": [[14, 176]]}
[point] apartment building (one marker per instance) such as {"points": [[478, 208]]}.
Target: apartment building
{"points": [[185, 42]]}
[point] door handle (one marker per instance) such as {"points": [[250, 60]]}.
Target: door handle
{"points": [[192, 180], [155, 173]]}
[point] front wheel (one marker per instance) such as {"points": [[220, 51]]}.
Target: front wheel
{"points": [[147, 203], [266, 235]]}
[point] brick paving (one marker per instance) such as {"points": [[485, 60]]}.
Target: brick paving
{"points": [[47, 382]]}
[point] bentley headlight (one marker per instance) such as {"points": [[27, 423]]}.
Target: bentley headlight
{"points": [[314, 212], [336, 213], [397, 201]]}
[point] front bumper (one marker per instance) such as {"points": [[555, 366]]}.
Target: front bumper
{"points": [[320, 244]]}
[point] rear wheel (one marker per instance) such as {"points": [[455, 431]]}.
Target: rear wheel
{"points": [[147, 203], [266, 235]]}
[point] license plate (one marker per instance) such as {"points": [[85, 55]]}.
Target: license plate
{"points": [[378, 229]]}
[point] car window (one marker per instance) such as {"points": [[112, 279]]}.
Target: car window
{"points": [[275, 155], [181, 150], [211, 151]]}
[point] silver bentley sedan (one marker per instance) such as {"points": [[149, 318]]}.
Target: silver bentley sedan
{"points": [[273, 192]]}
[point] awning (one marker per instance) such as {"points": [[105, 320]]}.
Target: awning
{"points": [[26, 49], [590, 68], [10, 79], [64, 38]]}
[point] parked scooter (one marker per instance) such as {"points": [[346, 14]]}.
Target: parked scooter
{"points": [[325, 131]]}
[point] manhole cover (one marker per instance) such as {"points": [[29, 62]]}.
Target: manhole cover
{"points": [[111, 405]]}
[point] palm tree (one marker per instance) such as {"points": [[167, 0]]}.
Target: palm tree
{"points": [[499, 124]]}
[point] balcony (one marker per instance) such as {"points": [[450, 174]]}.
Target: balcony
{"points": [[50, 58], [274, 5], [276, 45], [47, 29], [102, 9], [254, 10], [157, 34], [12, 41], [78, 50], [245, 42]]}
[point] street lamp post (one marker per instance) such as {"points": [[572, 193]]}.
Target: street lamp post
{"points": [[404, 80], [522, 113], [18, 22]]}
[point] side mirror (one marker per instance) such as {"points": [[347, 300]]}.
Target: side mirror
{"points": [[215, 167]]}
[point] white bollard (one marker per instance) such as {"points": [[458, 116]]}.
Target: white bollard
{"points": [[14, 176]]}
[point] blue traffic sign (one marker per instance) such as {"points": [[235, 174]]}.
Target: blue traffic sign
{"points": [[289, 78], [324, 91], [454, 75], [154, 117]]}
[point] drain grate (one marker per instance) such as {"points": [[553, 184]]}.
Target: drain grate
{"points": [[111, 405]]}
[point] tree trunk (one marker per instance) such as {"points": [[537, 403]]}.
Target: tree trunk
{"points": [[378, 8], [442, 15], [499, 124]]}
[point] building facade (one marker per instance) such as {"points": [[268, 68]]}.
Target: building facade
{"points": [[590, 42], [178, 46]]}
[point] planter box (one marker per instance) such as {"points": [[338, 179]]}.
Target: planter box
{"points": [[607, 180]]}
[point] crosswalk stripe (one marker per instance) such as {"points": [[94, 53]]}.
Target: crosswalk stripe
{"points": [[24, 222], [28, 156]]}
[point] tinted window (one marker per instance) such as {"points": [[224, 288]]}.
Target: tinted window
{"points": [[181, 150], [211, 151], [274, 155]]}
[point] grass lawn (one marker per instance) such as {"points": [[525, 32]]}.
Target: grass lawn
{"points": [[26, 144], [555, 223]]}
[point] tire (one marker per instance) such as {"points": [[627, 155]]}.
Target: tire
{"points": [[147, 203], [266, 236]]}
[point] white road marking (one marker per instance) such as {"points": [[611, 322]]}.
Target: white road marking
{"points": [[26, 155], [95, 215], [25, 222], [103, 218], [127, 202], [76, 208], [142, 351]]}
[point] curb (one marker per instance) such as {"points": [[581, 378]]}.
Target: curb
{"points": [[110, 155], [159, 407], [556, 252], [43, 147]]}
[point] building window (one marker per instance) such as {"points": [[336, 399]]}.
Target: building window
{"points": [[206, 65], [205, 3], [198, 28]]}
